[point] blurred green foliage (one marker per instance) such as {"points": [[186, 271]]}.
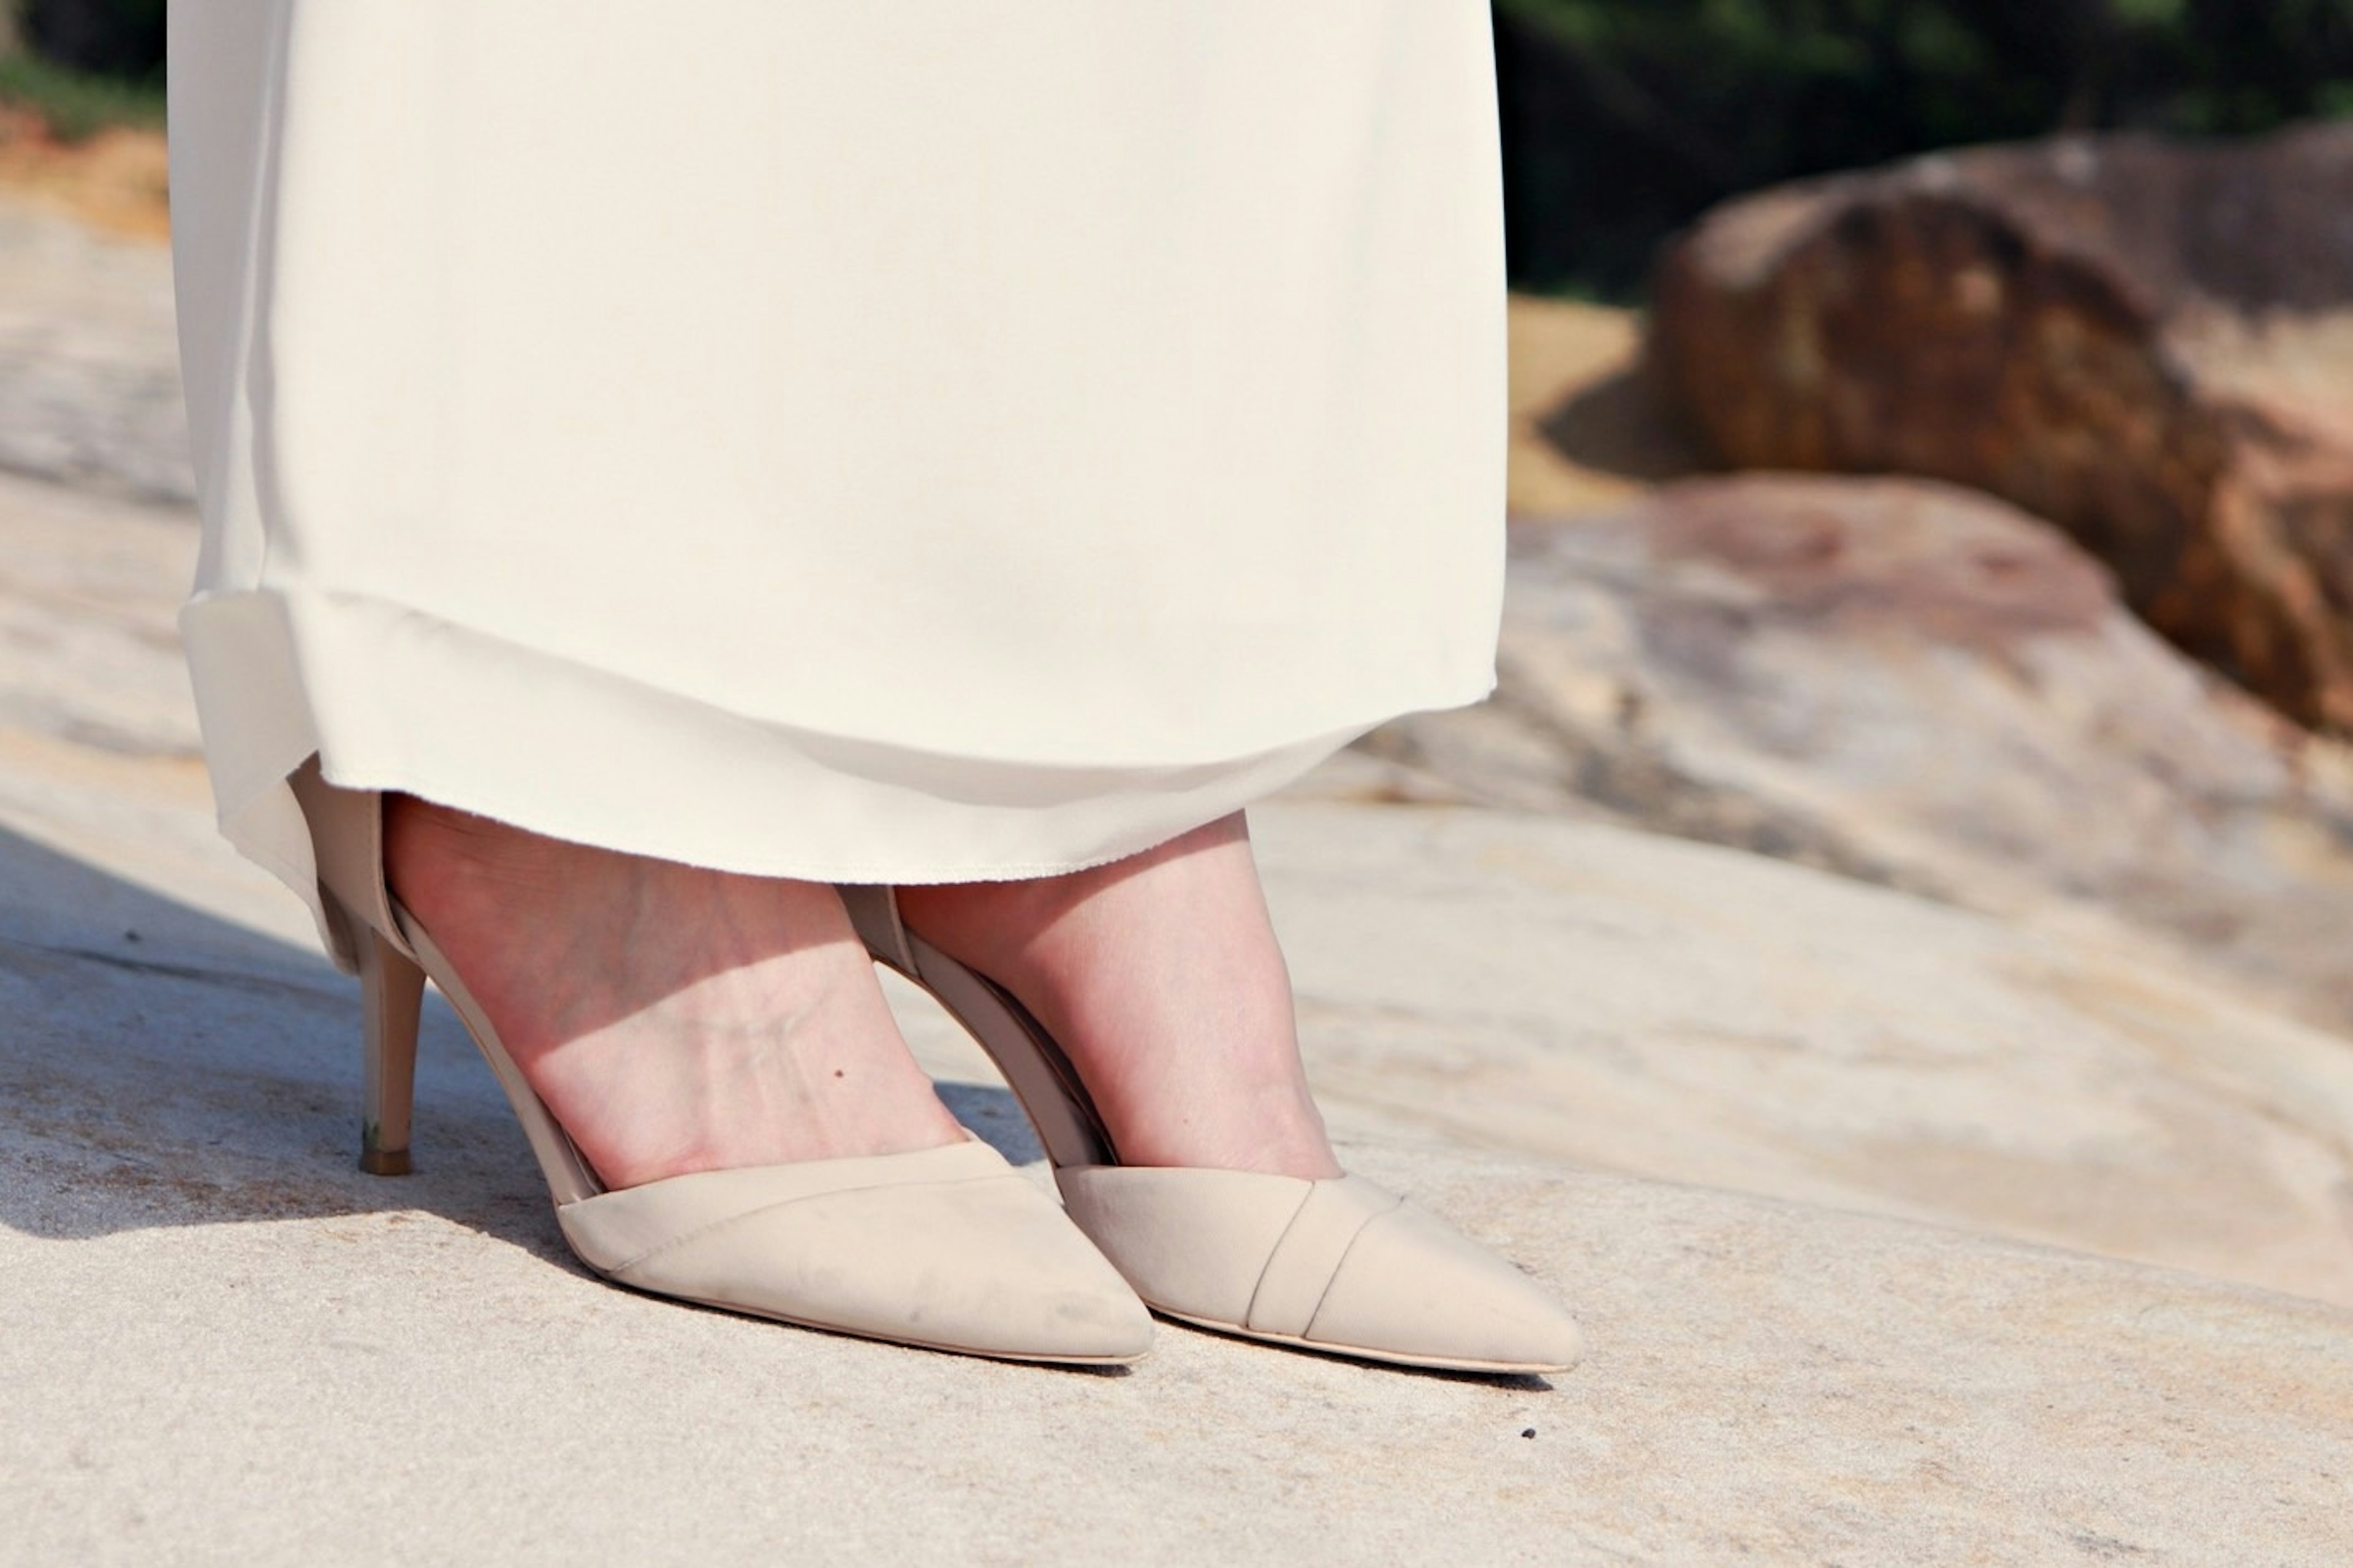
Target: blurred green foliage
{"points": [[84, 65], [121, 39], [78, 104], [1625, 119]]}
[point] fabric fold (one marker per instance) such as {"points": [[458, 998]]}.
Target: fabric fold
{"points": [[279, 677]]}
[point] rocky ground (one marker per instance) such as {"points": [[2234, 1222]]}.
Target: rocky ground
{"points": [[116, 182], [90, 381], [1916, 1215], [1916, 686]]}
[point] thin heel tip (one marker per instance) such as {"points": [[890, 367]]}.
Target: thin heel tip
{"points": [[385, 1161]]}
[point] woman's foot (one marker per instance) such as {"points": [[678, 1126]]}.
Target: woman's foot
{"points": [[673, 1018], [1160, 977]]}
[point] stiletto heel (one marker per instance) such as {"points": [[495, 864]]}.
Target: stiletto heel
{"points": [[392, 996], [947, 1248], [1340, 1264]]}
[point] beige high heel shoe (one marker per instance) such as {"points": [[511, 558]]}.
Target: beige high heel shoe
{"points": [[1339, 1264], [949, 1248]]}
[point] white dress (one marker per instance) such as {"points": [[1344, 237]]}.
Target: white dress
{"points": [[927, 441]]}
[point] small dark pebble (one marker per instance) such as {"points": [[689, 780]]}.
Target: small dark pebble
{"points": [[131, 936], [1528, 1432]]}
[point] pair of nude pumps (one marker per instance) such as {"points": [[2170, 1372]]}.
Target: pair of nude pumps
{"points": [[952, 1248]]}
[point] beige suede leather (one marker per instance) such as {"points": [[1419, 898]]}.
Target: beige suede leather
{"points": [[1339, 1264], [347, 843], [948, 1248]]}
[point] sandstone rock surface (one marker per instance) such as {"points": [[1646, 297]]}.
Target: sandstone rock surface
{"points": [[225, 1343], [1914, 685], [1589, 428], [2149, 344], [90, 370], [116, 181]]}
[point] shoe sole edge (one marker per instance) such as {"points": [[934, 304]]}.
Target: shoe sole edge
{"points": [[1367, 1353]]}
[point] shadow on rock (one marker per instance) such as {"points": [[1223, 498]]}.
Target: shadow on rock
{"points": [[161, 1068], [1623, 424]]}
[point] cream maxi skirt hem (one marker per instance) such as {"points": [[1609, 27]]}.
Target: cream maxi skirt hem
{"points": [[642, 769]]}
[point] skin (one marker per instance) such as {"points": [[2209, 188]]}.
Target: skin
{"points": [[680, 1019]]}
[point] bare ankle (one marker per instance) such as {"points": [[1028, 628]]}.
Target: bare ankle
{"points": [[1161, 976], [432, 850]]}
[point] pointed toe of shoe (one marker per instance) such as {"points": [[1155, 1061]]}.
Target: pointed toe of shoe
{"points": [[1341, 1266], [1414, 1289], [950, 1249]]}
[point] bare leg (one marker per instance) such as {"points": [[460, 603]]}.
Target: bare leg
{"points": [[1160, 976], [674, 1019]]}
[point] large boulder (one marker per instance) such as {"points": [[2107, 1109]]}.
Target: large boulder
{"points": [[2147, 342], [1912, 684]]}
